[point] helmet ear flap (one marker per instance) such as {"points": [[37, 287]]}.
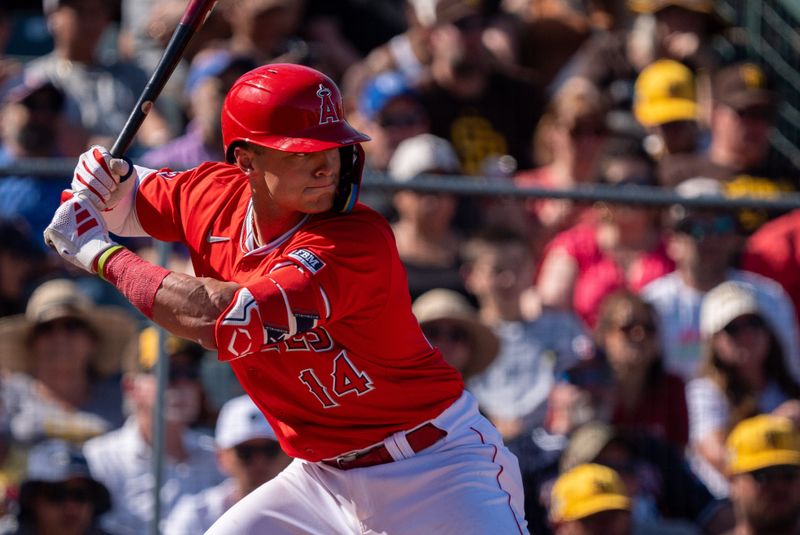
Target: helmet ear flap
{"points": [[352, 167]]}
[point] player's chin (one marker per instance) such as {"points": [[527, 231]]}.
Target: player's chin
{"points": [[319, 201]]}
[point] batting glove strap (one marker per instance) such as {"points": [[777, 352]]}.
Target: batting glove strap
{"points": [[78, 233]]}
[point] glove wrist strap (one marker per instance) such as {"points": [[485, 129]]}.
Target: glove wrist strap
{"points": [[100, 262]]}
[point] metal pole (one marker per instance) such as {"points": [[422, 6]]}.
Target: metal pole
{"points": [[162, 373]]}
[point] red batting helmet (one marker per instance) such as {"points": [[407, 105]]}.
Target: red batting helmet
{"points": [[293, 108]]}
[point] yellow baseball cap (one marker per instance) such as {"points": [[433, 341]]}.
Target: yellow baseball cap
{"points": [[585, 490], [664, 92], [761, 442]]}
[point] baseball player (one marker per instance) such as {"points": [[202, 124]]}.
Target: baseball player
{"points": [[301, 289]]}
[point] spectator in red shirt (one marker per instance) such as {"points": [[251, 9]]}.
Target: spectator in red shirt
{"points": [[568, 144], [774, 251], [649, 399], [623, 248]]}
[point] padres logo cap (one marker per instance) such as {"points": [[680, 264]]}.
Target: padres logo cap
{"points": [[665, 92], [763, 441], [585, 490], [742, 86]]}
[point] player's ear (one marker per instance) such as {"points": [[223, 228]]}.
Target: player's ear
{"points": [[243, 158]]}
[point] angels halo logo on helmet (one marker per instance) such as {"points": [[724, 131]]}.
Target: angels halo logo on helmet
{"points": [[294, 108]]}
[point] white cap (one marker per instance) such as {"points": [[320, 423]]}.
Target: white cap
{"points": [[700, 186], [422, 154], [724, 303], [239, 421], [55, 461]]}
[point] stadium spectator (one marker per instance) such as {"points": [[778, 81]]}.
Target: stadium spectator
{"points": [[35, 124], [651, 400], [538, 38], [408, 52], [21, 262], [427, 237], [472, 102], [389, 111], [665, 105], [60, 494], [211, 75], [452, 324], [121, 459], [9, 67], [104, 91], [513, 390], [681, 30], [743, 373], [247, 452], [774, 251], [702, 242], [146, 27], [567, 145], [666, 496], [591, 499], [622, 248], [764, 471], [743, 117], [64, 356], [266, 30], [581, 394]]}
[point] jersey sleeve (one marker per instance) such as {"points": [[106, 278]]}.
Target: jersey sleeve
{"points": [[158, 203], [340, 271]]}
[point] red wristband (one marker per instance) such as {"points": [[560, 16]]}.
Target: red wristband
{"points": [[135, 278]]}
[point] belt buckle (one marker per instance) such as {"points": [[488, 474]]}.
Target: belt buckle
{"points": [[349, 457]]}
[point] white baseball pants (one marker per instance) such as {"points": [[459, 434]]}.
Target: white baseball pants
{"points": [[466, 484]]}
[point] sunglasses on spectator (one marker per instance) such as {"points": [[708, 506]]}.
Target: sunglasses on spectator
{"points": [[587, 130], [786, 474], [404, 120], [699, 229], [470, 22], [637, 330], [63, 324], [246, 452], [180, 371], [756, 113], [586, 377], [446, 333], [61, 493], [738, 325]]}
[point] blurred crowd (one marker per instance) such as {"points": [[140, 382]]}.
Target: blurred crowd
{"points": [[642, 363]]}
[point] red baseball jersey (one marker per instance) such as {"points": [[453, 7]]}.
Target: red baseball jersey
{"points": [[321, 335]]}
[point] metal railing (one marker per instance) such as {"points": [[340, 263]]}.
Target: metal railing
{"points": [[59, 169]]}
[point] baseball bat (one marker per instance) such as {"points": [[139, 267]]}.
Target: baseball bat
{"points": [[195, 15]]}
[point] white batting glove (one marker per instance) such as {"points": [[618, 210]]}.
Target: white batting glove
{"points": [[77, 232], [99, 177]]}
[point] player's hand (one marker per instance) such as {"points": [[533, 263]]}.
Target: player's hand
{"points": [[102, 179], [77, 232]]}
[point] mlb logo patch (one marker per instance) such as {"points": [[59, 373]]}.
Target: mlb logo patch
{"points": [[307, 259]]}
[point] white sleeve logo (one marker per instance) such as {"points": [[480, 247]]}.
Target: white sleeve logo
{"points": [[308, 259]]}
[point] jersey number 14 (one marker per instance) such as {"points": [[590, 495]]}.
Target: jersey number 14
{"points": [[345, 379]]}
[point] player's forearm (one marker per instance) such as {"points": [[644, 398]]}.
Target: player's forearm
{"points": [[189, 306], [184, 305]]}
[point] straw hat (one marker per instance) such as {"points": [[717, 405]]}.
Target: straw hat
{"points": [[442, 304], [62, 298]]}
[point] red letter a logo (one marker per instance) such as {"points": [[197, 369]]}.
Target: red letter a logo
{"points": [[327, 109]]}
